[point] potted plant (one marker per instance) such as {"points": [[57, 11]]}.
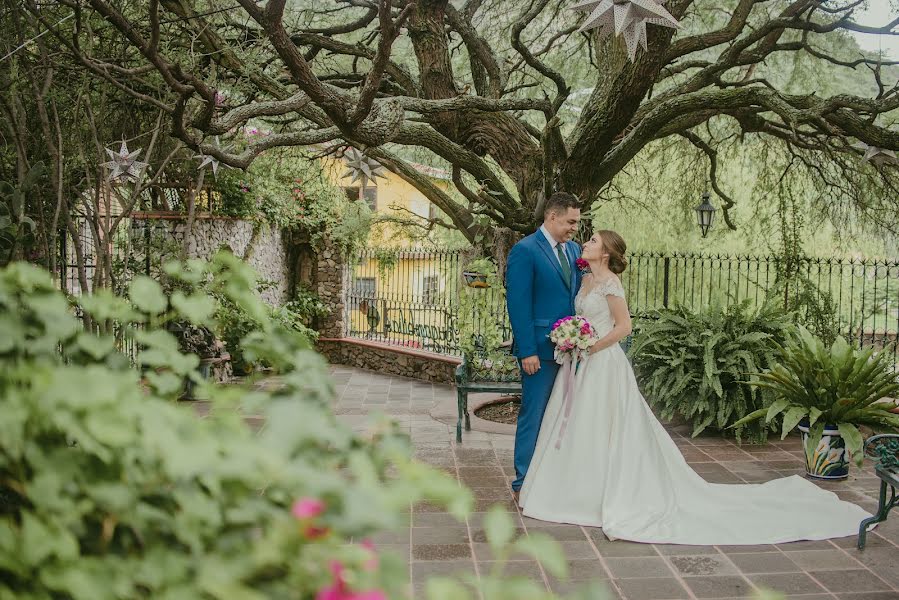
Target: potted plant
{"points": [[477, 273], [828, 392]]}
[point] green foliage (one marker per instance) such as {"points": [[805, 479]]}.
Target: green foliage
{"points": [[111, 491], [829, 385], [16, 227], [479, 327], [287, 190], [813, 308], [494, 584], [235, 199], [307, 306], [694, 365]]}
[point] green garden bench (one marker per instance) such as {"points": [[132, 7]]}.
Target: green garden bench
{"points": [[884, 449], [475, 377], [478, 373]]}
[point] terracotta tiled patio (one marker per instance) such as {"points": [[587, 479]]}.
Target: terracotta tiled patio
{"points": [[437, 544]]}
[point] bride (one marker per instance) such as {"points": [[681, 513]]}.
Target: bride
{"points": [[616, 467]]}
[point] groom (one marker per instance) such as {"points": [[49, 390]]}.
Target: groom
{"points": [[541, 283]]}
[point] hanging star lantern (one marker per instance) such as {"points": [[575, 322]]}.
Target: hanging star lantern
{"points": [[875, 155], [207, 160], [124, 164], [627, 18], [361, 167]]}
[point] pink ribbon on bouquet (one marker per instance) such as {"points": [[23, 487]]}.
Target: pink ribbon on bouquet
{"points": [[570, 364]]}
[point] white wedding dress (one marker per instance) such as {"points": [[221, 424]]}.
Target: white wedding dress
{"points": [[617, 468]]}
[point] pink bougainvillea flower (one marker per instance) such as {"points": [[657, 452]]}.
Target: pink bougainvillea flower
{"points": [[307, 508], [316, 533], [372, 563], [338, 590]]}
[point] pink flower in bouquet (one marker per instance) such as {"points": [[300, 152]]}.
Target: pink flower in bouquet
{"points": [[583, 265], [338, 590], [586, 329]]}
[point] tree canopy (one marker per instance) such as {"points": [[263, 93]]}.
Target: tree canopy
{"points": [[510, 95]]}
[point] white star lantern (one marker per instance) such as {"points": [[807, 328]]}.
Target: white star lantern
{"points": [[361, 167], [210, 161], [625, 17], [124, 164], [876, 155]]}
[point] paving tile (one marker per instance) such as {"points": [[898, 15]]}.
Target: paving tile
{"points": [[814, 560], [870, 596], [480, 536], [620, 549], [674, 549], [436, 519], [422, 570], [764, 562], [440, 535], [560, 533], [703, 564], [855, 580], [787, 583], [440, 552], [642, 567], [575, 550], [806, 545], [653, 588], [725, 586], [748, 549], [521, 568]]}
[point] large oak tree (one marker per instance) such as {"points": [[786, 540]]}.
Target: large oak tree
{"points": [[508, 93]]}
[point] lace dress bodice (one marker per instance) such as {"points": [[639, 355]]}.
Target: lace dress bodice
{"points": [[591, 302]]}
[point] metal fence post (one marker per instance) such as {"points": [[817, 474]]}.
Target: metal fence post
{"points": [[667, 277]]}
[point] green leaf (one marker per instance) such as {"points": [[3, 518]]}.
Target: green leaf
{"points": [[791, 419], [38, 540], [95, 346], [853, 438], [545, 549], [147, 295], [444, 588], [776, 408], [499, 528], [196, 308]]}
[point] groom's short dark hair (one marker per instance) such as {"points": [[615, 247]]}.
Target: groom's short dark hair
{"points": [[560, 202]]}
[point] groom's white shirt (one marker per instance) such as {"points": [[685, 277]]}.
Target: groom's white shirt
{"points": [[553, 243]]}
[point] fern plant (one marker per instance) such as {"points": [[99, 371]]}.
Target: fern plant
{"points": [[694, 365]]}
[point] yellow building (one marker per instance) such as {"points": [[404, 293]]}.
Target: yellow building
{"points": [[397, 294]]}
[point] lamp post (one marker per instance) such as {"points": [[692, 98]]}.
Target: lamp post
{"points": [[705, 214]]}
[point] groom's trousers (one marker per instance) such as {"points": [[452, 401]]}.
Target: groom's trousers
{"points": [[535, 392]]}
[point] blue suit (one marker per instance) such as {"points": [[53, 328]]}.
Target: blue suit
{"points": [[537, 296]]}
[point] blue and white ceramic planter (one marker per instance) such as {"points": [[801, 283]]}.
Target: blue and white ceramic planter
{"points": [[829, 460]]}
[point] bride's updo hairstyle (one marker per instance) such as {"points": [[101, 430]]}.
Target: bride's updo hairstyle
{"points": [[614, 245]]}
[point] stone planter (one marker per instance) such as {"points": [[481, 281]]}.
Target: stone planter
{"points": [[206, 368], [830, 459]]}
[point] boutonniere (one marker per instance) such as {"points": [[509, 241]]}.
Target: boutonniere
{"points": [[583, 265]]}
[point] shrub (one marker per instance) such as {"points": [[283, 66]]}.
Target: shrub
{"points": [[111, 490], [694, 365]]}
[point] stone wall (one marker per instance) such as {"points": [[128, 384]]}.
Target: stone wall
{"points": [[330, 285], [384, 359], [261, 246]]}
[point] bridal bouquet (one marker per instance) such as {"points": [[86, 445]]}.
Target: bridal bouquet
{"points": [[572, 336]]}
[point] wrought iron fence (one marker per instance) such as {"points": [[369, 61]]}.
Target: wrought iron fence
{"points": [[409, 297]]}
